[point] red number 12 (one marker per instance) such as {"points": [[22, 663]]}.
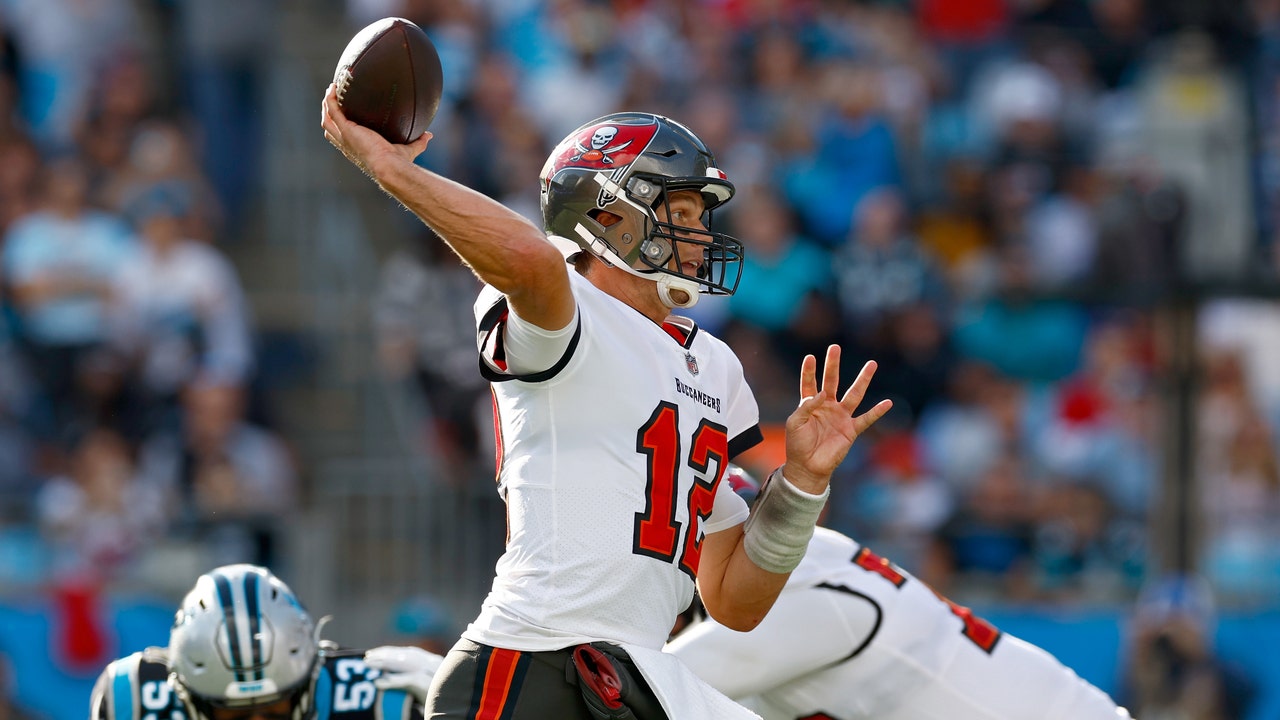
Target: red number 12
{"points": [[657, 532]]}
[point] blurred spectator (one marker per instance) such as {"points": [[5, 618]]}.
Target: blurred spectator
{"points": [[898, 503], [1061, 233], [1050, 332], [435, 351], [786, 288], [19, 180], [61, 264], [233, 482], [1139, 227], [781, 86], [123, 101], [881, 269], [181, 310], [63, 44], [1197, 129], [1096, 424], [1171, 669], [984, 550], [955, 228], [11, 123], [1117, 40], [967, 35], [161, 155], [1083, 554], [569, 66], [99, 515], [853, 153], [496, 143], [966, 431], [226, 47], [1239, 471], [916, 362]]}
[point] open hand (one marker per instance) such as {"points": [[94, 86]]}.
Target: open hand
{"points": [[823, 428]]}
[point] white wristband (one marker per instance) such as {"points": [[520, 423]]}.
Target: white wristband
{"points": [[777, 533]]}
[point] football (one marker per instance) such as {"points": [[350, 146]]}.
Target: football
{"points": [[389, 79]]}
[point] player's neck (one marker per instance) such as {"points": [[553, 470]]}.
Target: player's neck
{"points": [[640, 293]]}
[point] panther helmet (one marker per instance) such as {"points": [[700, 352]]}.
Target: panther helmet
{"points": [[626, 164], [242, 640]]}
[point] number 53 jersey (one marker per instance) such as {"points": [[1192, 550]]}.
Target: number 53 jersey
{"points": [[854, 637], [139, 687], [610, 465]]}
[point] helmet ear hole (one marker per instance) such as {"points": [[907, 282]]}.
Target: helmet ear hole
{"points": [[604, 217]]}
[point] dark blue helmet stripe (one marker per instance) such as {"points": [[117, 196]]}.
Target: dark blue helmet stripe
{"points": [[233, 630], [255, 636]]}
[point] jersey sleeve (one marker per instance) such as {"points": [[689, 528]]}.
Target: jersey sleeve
{"points": [[511, 349], [729, 510], [744, 413]]}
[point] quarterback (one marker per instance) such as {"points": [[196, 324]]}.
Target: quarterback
{"points": [[615, 422]]}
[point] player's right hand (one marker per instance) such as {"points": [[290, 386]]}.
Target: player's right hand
{"points": [[362, 146]]}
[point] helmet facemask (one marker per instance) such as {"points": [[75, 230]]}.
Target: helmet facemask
{"points": [[295, 704]]}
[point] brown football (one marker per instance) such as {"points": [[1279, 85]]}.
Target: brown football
{"points": [[389, 79]]}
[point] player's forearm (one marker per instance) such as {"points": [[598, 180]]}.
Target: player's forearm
{"points": [[503, 247], [735, 591]]}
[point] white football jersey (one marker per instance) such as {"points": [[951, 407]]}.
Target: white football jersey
{"points": [[854, 637], [610, 465]]}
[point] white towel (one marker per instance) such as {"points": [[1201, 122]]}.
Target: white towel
{"points": [[684, 695]]}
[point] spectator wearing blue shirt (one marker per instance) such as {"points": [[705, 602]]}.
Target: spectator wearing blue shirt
{"points": [[60, 263]]}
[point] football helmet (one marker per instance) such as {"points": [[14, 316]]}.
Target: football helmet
{"points": [[242, 640], [626, 165]]}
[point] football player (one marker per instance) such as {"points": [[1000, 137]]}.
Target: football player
{"points": [[243, 648], [615, 419], [853, 636]]}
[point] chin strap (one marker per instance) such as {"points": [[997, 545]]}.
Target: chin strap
{"points": [[667, 283]]}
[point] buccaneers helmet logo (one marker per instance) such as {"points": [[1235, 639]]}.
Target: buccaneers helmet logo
{"points": [[600, 151], [604, 147]]}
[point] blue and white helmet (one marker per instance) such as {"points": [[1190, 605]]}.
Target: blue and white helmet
{"points": [[242, 640]]}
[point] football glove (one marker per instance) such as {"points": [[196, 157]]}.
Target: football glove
{"points": [[406, 668]]}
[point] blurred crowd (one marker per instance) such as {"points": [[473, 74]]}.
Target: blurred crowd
{"points": [[1005, 203], [129, 412], [1002, 203]]}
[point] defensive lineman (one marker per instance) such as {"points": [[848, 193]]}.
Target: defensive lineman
{"points": [[243, 648]]}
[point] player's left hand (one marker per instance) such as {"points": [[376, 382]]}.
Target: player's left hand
{"points": [[823, 428], [406, 668]]}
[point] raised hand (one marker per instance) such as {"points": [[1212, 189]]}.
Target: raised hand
{"points": [[823, 428], [359, 144]]}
